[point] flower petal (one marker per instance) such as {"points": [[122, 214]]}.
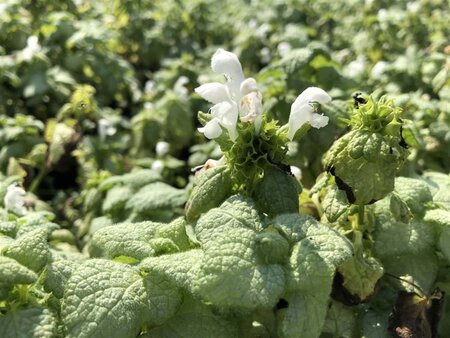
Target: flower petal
{"points": [[318, 121], [227, 114], [162, 148], [297, 172], [227, 63], [311, 94], [158, 166], [251, 107], [213, 92], [13, 199], [212, 129], [248, 85], [298, 117]]}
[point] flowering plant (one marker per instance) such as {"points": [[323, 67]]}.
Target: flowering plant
{"points": [[251, 143], [288, 215]]}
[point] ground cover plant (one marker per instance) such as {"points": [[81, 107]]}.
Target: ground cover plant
{"points": [[204, 169]]}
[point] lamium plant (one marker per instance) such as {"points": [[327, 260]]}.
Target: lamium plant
{"points": [[365, 160], [200, 168], [226, 251], [254, 147]]}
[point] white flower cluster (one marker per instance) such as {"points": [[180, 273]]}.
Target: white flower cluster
{"points": [[240, 99]]}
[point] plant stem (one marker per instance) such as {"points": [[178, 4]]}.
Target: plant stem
{"points": [[37, 180], [360, 216], [23, 293]]}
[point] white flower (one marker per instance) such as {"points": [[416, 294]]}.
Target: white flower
{"points": [[105, 128], [251, 105], [356, 67], [266, 55], [150, 87], [213, 92], [227, 63], [382, 15], [31, 49], [297, 172], [303, 111], [162, 148], [378, 69], [158, 166], [413, 7], [3, 8], [149, 105], [262, 31], [283, 48], [14, 199], [179, 87], [238, 97]]}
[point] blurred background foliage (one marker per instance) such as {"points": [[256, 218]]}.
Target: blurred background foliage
{"points": [[88, 88]]}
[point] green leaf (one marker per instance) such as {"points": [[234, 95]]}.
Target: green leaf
{"points": [[316, 253], [399, 209], [33, 322], [232, 274], [277, 192], [306, 312], [38, 220], [364, 165], [181, 268], [115, 200], [375, 325], [361, 274], [441, 79], [8, 229], [5, 241], [272, 247], [439, 219], [12, 272], [155, 197], [415, 193], [195, 319], [396, 238], [440, 188], [58, 271], [444, 328], [237, 211], [356, 145], [323, 241], [321, 182], [341, 321], [31, 250], [211, 188], [443, 244], [420, 268], [98, 223], [139, 240], [178, 126], [411, 135], [104, 299], [62, 134], [335, 203], [62, 236], [135, 180]]}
